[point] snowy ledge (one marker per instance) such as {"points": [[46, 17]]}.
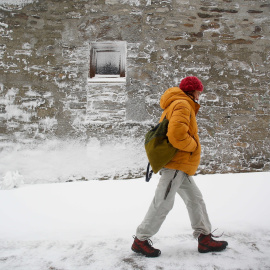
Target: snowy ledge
{"points": [[107, 80]]}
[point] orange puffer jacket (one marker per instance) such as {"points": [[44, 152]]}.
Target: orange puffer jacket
{"points": [[182, 133]]}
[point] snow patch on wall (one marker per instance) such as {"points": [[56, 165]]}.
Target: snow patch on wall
{"points": [[4, 25], [129, 2], [65, 161], [17, 2], [48, 124]]}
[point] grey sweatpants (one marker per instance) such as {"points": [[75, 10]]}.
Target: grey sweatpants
{"points": [[163, 202]]}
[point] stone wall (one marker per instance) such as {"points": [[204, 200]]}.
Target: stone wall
{"points": [[44, 70]]}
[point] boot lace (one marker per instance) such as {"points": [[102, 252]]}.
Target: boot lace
{"points": [[149, 246], [216, 236], [149, 243]]}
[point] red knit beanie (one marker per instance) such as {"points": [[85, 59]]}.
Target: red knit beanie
{"points": [[191, 83]]}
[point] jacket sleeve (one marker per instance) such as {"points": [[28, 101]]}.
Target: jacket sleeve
{"points": [[178, 129]]}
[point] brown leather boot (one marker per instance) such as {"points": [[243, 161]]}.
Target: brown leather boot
{"points": [[145, 248], [208, 244]]}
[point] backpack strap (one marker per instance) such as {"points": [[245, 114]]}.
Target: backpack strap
{"points": [[148, 173], [164, 114]]}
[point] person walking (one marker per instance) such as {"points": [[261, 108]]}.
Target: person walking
{"points": [[180, 108]]}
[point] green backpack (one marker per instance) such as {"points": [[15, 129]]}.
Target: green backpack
{"points": [[158, 148]]}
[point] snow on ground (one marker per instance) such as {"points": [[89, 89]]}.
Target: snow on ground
{"points": [[89, 225]]}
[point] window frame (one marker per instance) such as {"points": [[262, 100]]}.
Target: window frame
{"points": [[99, 47]]}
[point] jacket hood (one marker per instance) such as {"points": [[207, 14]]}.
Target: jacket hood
{"points": [[175, 93]]}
